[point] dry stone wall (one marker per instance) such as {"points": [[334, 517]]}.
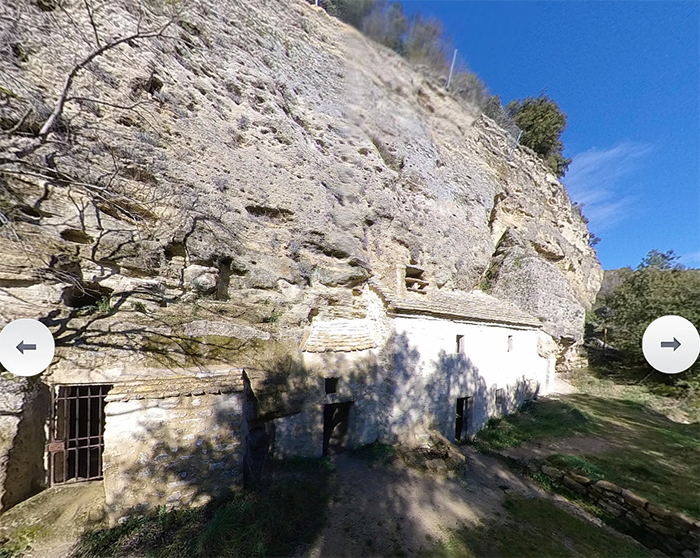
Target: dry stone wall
{"points": [[672, 532]]}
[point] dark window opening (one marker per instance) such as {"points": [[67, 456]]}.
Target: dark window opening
{"points": [[77, 433], [460, 344], [415, 279], [224, 279], [335, 427], [500, 396], [464, 407], [331, 385]]}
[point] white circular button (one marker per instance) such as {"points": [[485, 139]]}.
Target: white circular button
{"points": [[26, 347], [671, 344]]}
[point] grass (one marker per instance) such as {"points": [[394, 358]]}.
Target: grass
{"points": [[20, 541], [538, 528], [577, 464], [540, 420], [274, 519], [648, 453]]}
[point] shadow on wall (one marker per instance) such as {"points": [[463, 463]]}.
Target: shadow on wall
{"points": [[171, 452], [391, 397]]}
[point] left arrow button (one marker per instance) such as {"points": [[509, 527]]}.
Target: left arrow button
{"points": [[25, 347]]}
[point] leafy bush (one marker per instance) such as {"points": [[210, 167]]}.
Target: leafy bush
{"points": [[542, 123]]}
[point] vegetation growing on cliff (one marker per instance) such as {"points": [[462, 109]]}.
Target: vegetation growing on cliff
{"points": [[423, 41]]}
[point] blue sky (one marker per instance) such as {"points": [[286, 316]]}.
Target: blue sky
{"points": [[627, 75]]}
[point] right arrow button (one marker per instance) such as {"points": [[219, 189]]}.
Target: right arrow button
{"points": [[675, 344], [656, 344]]}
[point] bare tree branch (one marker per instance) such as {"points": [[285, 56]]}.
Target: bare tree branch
{"points": [[58, 110], [19, 124], [92, 23]]}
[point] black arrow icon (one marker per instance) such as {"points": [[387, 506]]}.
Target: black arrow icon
{"points": [[675, 344], [25, 347]]}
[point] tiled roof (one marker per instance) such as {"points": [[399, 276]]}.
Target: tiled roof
{"points": [[339, 335], [149, 386], [475, 305]]}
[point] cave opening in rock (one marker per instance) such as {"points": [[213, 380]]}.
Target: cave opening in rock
{"points": [[82, 294]]}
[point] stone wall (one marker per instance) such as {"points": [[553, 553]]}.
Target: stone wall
{"points": [[24, 406], [182, 449], [672, 532]]}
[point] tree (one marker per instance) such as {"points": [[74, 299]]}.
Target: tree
{"points": [[494, 109], [660, 260], [542, 123], [657, 287], [425, 43]]}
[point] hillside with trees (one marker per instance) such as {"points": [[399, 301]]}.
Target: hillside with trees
{"points": [[630, 300]]}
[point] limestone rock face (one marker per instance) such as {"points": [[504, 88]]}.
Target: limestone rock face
{"points": [[271, 161]]}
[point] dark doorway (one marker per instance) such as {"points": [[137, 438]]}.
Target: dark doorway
{"points": [[462, 422], [335, 427], [77, 433]]}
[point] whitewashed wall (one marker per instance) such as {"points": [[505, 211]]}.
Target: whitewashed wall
{"points": [[431, 374], [411, 383]]}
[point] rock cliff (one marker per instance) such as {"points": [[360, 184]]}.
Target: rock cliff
{"points": [[244, 170]]}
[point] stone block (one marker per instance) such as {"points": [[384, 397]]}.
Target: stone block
{"points": [[658, 511], [573, 485], [641, 513], [687, 522], [654, 525], [552, 472], [610, 509], [605, 485], [616, 505], [633, 499], [580, 479]]}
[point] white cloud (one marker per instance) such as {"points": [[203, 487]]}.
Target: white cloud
{"points": [[691, 259], [595, 179]]}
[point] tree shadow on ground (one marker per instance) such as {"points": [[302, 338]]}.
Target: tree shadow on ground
{"points": [[273, 518]]}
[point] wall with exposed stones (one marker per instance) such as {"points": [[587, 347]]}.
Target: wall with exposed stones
{"points": [[171, 451], [672, 532], [24, 406]]}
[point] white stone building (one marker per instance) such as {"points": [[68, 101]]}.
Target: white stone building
{"points": [[419, 360]]}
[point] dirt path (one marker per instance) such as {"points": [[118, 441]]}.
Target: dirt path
{"points": [[385, 510]]}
